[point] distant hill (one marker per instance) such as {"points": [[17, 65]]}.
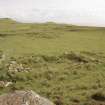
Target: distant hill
{"points": [[12, 21], [7, 20]]}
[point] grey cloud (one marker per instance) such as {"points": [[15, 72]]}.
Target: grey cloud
{"points": [[80, 12]]}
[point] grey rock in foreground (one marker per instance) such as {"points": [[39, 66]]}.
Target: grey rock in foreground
{"points": [[23, 98]]}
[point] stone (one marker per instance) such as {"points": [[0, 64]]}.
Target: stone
{"points": [[23, 98], [5, 83], [16, 67]]}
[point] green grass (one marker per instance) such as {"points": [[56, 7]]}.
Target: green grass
{"points": [[49, 38], [66, 60]]}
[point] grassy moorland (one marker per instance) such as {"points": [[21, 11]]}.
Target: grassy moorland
{"points": [[64, 60]]}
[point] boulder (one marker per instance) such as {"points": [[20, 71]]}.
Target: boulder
{"points": [[23, 98], [16, 67]]}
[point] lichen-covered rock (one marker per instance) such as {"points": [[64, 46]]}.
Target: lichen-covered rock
{"points": [[16, 67], [5, 83], [23, 98]]}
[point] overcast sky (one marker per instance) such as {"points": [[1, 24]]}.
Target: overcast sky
{"points": [[80, 12]]}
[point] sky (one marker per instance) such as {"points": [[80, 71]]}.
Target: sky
{"points": [[78, 12]]}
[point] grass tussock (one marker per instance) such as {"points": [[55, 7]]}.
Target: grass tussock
{"points": [[98, 96]]}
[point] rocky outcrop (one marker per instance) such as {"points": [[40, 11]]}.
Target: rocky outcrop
{"points": [[16, 67], [23, 98], [5, 83]]}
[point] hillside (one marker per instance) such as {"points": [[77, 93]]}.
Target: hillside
{"points": [[55, 60]]}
